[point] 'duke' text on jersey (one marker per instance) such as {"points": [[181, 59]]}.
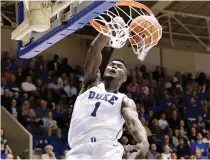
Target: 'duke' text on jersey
{"points": [[106, 97]]}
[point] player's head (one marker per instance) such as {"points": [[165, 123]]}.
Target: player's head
{"points": [[116, 69]]}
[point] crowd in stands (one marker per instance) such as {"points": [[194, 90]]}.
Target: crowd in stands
{"points": [[175, 111]]}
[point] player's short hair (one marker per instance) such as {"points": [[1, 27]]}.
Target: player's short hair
{"points": [[123, 62]]}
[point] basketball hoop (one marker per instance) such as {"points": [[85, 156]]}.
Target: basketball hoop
{"points": [[139, 26]]}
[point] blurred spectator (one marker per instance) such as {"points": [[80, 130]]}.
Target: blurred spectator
{"points": [[155, 129], [162, 121], [63, 80], [19, 76], [27, 86], [51, 125], [157, 73], [142, 113], [6, 73], [14, 110], [39, 64], [166, 152], [33, 123], [173, 138], [49, 154], [173, 156], [207, 138], [166, 142], [65, 67], [54, 64], [174, 121], [42, 111], [199, 145], [183, 149], [4, 145], [153, 154]]}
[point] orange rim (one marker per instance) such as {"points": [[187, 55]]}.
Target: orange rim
{"points": [[131, 3]]}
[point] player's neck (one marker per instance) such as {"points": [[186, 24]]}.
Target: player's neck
{"points": [[111, 85]]}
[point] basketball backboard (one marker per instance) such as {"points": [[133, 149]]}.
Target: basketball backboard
{"points": [[71, 18]]}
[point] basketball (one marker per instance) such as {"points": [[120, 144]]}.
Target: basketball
{"points": [[145, 28]]}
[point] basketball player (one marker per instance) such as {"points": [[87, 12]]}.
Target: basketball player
{"points": [[100, 111]]}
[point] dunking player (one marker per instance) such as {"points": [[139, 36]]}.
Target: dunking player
{"points": [[100, 111]]}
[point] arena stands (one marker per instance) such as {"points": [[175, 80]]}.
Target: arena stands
{"points": [[175, 111]]}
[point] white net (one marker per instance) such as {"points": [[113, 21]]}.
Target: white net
{"points": [[138, 25]]}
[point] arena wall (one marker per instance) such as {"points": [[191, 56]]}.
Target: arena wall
{"points": [[19, 139], [74, 48]]}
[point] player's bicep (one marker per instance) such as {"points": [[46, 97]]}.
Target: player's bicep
{"points": [[129, 112]]}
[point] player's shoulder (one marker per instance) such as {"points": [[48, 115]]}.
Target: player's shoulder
{"points": [[128, 103]]}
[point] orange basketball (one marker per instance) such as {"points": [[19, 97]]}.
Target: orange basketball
{"points": [[145, 28]]}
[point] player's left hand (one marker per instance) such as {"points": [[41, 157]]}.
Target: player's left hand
{"points": [[142, 149]]}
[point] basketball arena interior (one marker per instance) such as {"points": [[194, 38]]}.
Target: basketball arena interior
{"points": [[42, 72]]}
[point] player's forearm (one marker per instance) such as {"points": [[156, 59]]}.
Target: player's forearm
{"points": [[138, 131]]}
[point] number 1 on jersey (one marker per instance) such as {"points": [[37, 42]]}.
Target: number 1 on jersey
{"points": [[95, 109]]}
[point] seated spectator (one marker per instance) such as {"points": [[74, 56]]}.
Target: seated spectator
{"points": [[49, 154], [155, 129], [162, 121], [14, 110], [30, 68], [173, 156], [142, 113], [199, 145], [59, 116], [63, 80], [51, 125], [33, 123], [10, 65], [40, 65], [19, 76], [174, 121], [27, 86], [54, 86], [41, 88], [200, 124], [192, 134], [182, 126], [42, 111], [185, 138], [157, 73], [53, 65], [206, 113], [207, 138], [4, 145], [65, 67], [166, 152], [183, 149], [165, 103], [153, 154], [173, 139], [198, 154], [13, 86], [6, 73], [4, 84], [166, 141]]}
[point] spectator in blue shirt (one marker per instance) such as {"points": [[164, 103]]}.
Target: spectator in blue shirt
{"points": [[199, 145], [192, 109], [165, 103], [42, 111], [142, 114]]}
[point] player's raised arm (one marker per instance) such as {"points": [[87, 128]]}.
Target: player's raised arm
{"points": [[94, 58], [135, 127]]}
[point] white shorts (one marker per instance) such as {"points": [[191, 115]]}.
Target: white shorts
{"points": [[102, 149]]}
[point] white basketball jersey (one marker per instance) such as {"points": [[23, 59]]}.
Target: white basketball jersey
{"points": [[97, 113]]}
